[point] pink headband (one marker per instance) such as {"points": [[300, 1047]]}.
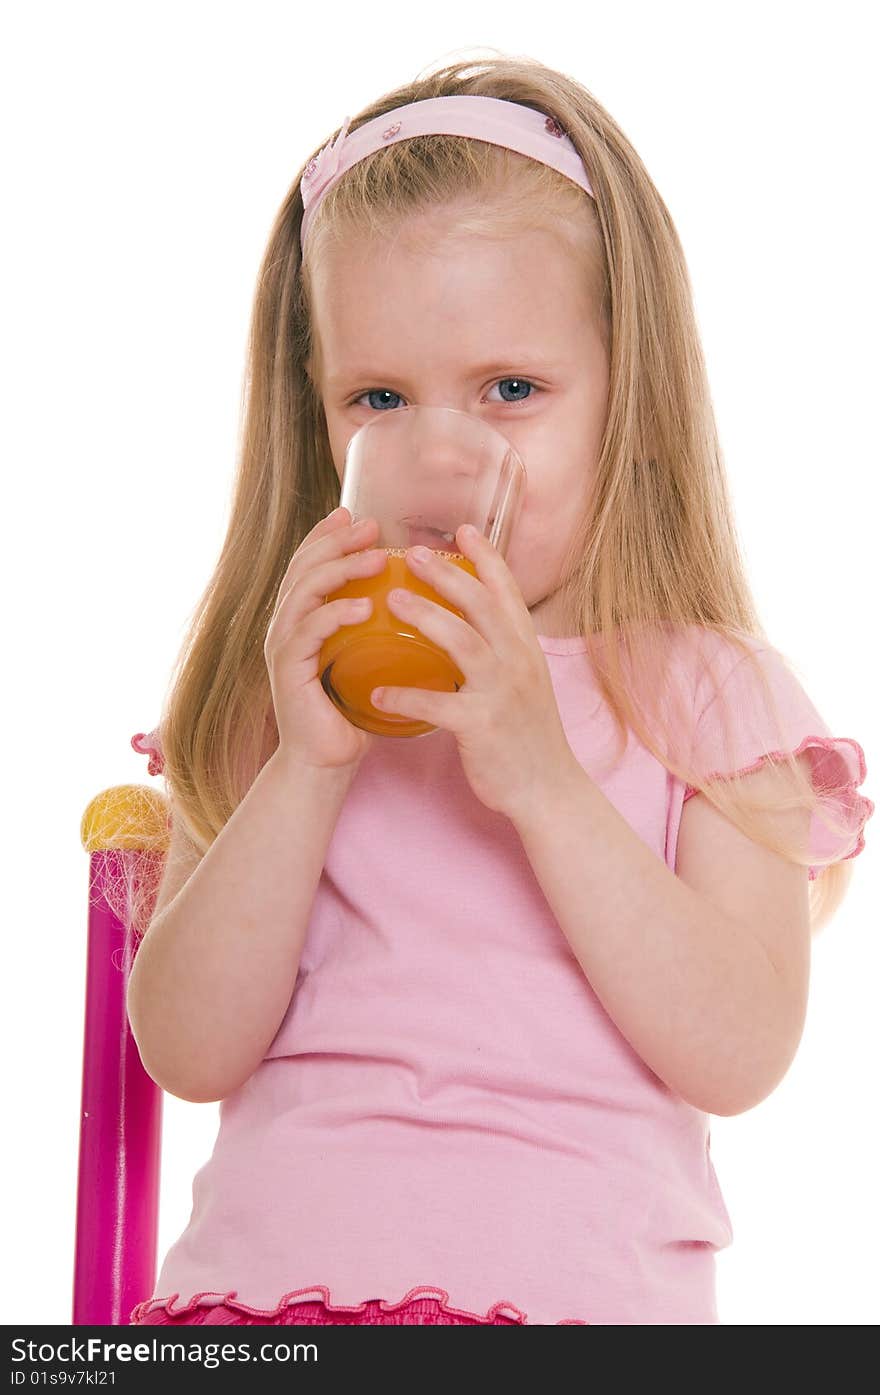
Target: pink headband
{"points": [[491, 119]]}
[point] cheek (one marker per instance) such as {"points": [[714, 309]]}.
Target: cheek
{"points": [[543, 533], [339, 433], [338, 445], [536, 538]]}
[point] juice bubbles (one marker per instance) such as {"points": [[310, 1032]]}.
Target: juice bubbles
{"points": [[383, 649]]}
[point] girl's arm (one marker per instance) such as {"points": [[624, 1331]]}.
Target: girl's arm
{"points": [[708, 985], [214, 975]]}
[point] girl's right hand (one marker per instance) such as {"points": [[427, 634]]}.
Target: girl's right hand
{"points": [[310, 726]]}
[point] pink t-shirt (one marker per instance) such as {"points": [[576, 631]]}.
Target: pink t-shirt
{"points": [[446, 1106]]}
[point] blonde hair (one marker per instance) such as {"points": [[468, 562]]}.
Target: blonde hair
{"points": [[656, 553]]}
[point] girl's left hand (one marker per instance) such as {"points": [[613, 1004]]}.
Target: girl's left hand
{"points": [[505, 718]]}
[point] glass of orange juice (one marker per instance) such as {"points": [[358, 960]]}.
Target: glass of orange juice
{"points": [[420, 472]]}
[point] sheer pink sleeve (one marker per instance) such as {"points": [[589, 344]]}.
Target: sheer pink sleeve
{"points": [[737, 728]]}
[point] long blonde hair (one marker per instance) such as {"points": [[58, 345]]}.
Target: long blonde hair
{"points": [[656, 553]]}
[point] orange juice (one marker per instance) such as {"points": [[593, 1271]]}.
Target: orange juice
{"points": [[384, 649]]}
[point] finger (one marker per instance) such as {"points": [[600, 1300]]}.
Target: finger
{"points": [[483, 609], [295, 641], [449, 631], [328, 544], [307, 589], [420, 704], [329, 524], [327, 619], [336, 519], [333, 519], [493, 571]]}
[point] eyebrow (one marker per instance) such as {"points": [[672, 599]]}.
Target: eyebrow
{"points": [[528, 362]]}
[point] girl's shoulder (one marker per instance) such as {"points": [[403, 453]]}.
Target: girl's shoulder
{"points": [[707, 656]]}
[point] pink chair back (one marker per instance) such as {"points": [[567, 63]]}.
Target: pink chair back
{"points": [[125, 832]]}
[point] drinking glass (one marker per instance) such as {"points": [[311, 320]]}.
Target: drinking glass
{"points": [[420, 472]]}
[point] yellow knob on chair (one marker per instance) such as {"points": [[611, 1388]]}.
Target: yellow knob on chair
{"points": [[126, 817]]}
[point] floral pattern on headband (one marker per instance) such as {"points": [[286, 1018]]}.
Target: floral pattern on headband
{"points": [[322, 167]]}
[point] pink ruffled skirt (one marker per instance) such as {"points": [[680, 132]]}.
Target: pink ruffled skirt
{"points": [[416, 1311], [422, 1306]]}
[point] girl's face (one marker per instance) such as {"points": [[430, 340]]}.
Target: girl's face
{"points": [[505, 330]]}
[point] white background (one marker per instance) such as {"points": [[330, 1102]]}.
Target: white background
{"points": [[147, 150]]}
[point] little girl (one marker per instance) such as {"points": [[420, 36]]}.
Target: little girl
{"points": [[468, 1002]]}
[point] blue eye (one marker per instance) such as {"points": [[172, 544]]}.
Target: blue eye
{"points": [[376, 392], [511, 402], [520, 383]]}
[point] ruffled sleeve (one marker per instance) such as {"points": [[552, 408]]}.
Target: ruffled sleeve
{"points": [[148, 744], [738, 726]]}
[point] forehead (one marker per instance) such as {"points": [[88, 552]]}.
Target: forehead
{"points": [[477, 298]]}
